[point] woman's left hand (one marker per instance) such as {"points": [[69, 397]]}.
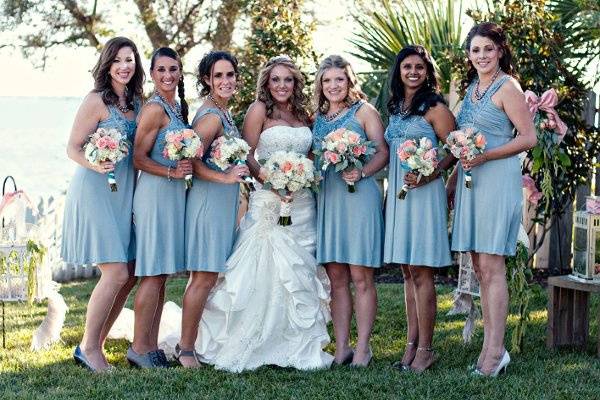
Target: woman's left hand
{"points": [[475, 162], [352, 175], [412, 179]]}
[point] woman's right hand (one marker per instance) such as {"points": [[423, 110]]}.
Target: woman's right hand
{"points": [[184, 167], [104, 167], [236, 173]]}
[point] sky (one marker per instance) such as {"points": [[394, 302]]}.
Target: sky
{"points": [[67, 72]]}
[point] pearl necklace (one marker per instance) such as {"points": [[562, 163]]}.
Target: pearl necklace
{"points": [[175, 109], [333, 116], [223, 110], [478, 94]]}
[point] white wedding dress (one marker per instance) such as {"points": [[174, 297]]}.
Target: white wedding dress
{"points": [[271, 305]]}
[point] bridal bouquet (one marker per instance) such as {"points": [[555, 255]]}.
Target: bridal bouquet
{"points": [[181, 144], [288, 172], [229, 150], [420, 158], [346, 150], [466, 143], [106, 145]]}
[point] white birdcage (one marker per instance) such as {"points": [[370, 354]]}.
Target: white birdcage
{"points": [[467, 280], [586, 246]]}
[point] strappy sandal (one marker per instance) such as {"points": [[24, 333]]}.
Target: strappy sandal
{"points": [[399, 364], [187, 353], [433, 360]]}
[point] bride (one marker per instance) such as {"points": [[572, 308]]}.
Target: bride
{"points": [[270, 306]]}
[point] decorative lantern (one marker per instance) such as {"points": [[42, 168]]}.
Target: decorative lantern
{"points": [[586, 246]]}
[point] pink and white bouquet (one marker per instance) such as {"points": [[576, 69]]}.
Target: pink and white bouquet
{"points": [[466, 143], [286, 173], [181, 144], [346, 150], [106, 145], [226, 151], [419, 157]]}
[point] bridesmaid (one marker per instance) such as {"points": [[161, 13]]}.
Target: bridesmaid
{"points": [[212, 204], [416, 228], [349, 225], [487, 217], [158, 205], [97, 226]]}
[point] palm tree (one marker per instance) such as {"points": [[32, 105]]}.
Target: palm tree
{"points": [[435, 24], [581, 20]]}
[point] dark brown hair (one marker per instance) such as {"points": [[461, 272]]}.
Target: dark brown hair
{"points": [[103, 80], [206, 65], [168, 52], [496, 34]]}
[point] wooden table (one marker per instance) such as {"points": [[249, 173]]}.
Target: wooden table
{"points": [[568, 309]]}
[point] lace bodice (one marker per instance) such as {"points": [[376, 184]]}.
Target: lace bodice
{"points": [[286, 138]]}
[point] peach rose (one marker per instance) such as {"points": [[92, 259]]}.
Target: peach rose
{"points": [[331, 157], [480, 141], [287, 167], [353, 138]]}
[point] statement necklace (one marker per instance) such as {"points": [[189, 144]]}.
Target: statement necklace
{"points": [[124, 109], [478, 94], [175, 109], [333, 116], [403, 111], [223, 110]]}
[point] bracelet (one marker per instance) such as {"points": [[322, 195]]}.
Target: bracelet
{"points": [[363, 175], [169, 173]]}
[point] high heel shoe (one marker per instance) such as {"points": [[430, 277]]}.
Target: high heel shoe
{"points": [[354, 365], [347, 360], [501, 367]]}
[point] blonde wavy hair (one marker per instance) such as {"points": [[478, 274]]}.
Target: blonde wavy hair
{"points": [[354, 94], [299, 102]]}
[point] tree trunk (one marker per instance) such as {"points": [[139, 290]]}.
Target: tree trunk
{"points": [[155, 33], [227, 15]]}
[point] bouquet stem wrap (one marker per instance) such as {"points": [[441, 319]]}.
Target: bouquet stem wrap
{"points": [[285, 213], [112, 181], [189, 182]]}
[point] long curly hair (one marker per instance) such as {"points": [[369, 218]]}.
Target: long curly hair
{"points": [[427, 96], [103, 80], [206, 65], [355, 93], [496, 34], [168, 52], [299, 101]]}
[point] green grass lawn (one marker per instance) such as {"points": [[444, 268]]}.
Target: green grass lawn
{"points": [[535, 374]]}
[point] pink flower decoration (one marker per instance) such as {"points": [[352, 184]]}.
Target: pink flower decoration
{"points": [[532, 194], [331, 157], [430, 154], [353, 138], [287, 167], [341, 147]]}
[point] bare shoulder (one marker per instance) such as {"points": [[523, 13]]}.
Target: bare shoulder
{"points": [[439, 110], [257, 109], [367, 110], [93, 107], [511, 87], [209, 120]]}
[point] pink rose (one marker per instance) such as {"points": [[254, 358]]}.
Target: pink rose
{"points": [[358, 150], [430, 155], [460, 138], [300, 168], [341, 147], [217, 153], [170, 138], [287, 167], [532, 194], [402, 155], [353, 138], [331, 157]]}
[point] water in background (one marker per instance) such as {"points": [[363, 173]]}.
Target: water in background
{"points": [[33, 138]]}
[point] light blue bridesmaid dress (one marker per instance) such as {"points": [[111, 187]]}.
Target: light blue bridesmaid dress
{"points": [[159, 211], [349, 225], [97, 224], [488, 215], [416, 228], [211, 213]]}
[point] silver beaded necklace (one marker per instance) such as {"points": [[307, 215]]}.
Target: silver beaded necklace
{"points": [[333, 116], [478, 94], [223, 110], [175, 109]]}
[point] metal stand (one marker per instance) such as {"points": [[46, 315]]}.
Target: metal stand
{"points": [[3, 328]]}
